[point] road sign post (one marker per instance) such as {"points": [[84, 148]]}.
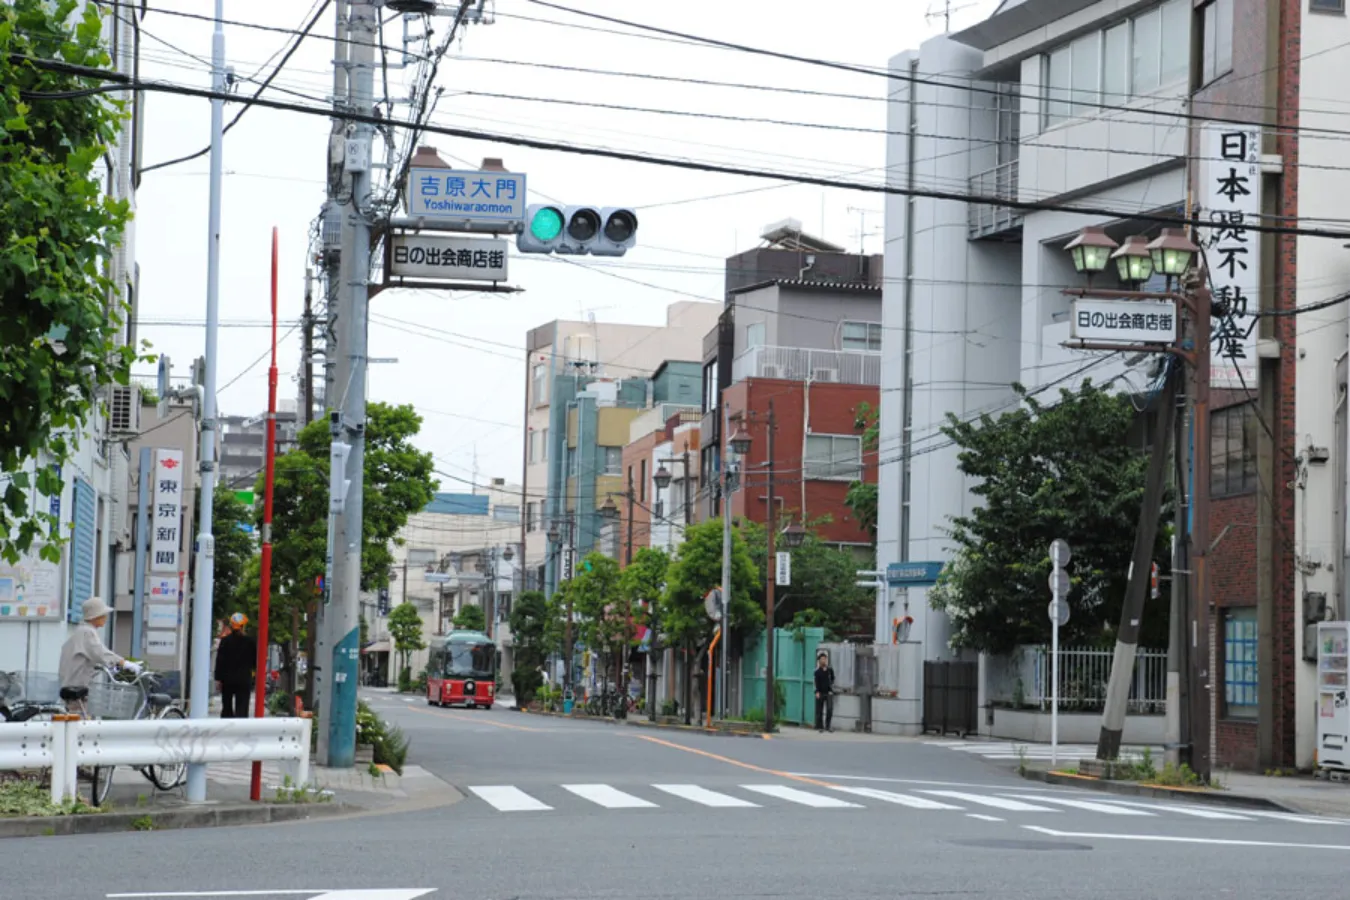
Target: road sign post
{"points": [[1059, 616]]}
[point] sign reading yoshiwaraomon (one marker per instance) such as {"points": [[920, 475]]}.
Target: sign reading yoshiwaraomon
{"points": [[1231, 199], [448, 195], [447, 256]]}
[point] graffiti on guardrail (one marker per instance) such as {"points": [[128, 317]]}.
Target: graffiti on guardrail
{"points": [[189, 743]]}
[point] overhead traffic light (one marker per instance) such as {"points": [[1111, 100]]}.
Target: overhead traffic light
{"points": [[578, 230]]}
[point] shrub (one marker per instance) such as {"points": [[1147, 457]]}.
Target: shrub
{"points": [[405, 683], [526, 681]]}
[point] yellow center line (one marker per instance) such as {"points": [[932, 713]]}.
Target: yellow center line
{"points": [[735, 762], [474, 719]]}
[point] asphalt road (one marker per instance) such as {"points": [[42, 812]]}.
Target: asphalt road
{"points": [[563, 809]]}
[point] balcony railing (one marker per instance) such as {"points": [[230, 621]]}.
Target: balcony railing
{"points": [[800, 364], [1000, 183]]}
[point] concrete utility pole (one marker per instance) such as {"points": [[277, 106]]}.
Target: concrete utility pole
{"points": [[724, 704], [771, 529], [202, 618], [339, 631], [307, 353]]}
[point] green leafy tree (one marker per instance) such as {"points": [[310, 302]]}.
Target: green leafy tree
{"points": [[861, 498], [234, 549], [405, 627], [697, 569], [823, 593], [597, 604], [60, 311], [470, 618], [1041, 472], [641, 584], [530, 630]]}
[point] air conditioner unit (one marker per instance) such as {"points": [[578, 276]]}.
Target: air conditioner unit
{"points": [[769, 371], [824, 374], [124, 411]]}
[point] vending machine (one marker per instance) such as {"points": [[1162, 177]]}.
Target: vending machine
{"points": [[1333, 702]]}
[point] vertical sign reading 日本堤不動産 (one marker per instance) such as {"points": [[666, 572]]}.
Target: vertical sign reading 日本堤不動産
{"points": [[166, 513], [1230, 196]]}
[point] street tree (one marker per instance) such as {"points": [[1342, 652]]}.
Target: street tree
{"points": [[861, 498], [641, 584], [405, 628], [824, 591], [470, 618], [61, 313], [234, 549], [530, 629], [596, 601], [1066, 470]]}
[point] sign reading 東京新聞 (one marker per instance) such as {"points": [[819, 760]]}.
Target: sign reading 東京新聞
{"points": [[1127, 321], [449, 195], [447, 256]]}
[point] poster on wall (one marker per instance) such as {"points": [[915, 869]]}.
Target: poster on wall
{"points": [[167, 512], [30, 590], [1230, 194]]}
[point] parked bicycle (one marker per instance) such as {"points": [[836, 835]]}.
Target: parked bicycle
{"points": [[15, 705], [111, 697]]}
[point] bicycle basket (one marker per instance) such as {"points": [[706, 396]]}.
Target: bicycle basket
{"points": [[114, 700]]}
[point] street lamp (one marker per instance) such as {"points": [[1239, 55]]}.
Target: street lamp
{"points": [[553, 533], [740, 441], [609, 507], [662, 478], [793, 536], [508, 554], [1172, 252], [1091, 249], [1134, 263]]}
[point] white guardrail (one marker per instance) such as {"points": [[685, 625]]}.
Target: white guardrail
{"points": [[66, 746]]}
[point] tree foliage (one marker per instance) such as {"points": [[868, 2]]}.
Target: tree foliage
{"points": [[641, 585], [60, 312], [862, 495], [697, 569], [1043, 472], [470, 618], [823, 593], [234, 550], [405, 627], [533, 636]]}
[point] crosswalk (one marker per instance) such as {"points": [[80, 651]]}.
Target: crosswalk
{"points": [[1014, 750], [987, 803]]}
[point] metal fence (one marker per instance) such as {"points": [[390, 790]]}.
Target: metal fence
{"points": [[1022, 680], [800, 364], [843, 657]]}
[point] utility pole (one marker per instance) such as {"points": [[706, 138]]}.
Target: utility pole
{"points": [[724, 702], [1140, 575], [202, 614], [339, 639], [307, 352], [769, 605]]}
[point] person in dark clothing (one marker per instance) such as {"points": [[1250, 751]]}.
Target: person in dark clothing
{"points": [[235, 658], [824, 694]]}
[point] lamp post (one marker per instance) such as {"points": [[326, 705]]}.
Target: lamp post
{"points": [[1171, 254]]}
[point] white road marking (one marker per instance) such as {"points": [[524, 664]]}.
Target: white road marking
{"points": [[1089, 805], [509, 799], [893, 797], [1195, 811], [358, 894], [983, 818], [608, 797], [696, 794], [1294, 817], [967, 784], [1171, 839], [996, 802], [806, 798], [311, 893]]}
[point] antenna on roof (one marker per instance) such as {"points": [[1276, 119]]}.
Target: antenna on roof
{"points": [[945, 14]]}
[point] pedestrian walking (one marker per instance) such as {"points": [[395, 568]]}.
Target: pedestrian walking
{"points": [[235, 658], [824, 693]]}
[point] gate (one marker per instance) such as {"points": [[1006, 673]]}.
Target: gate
{"points": [[950, 697]]}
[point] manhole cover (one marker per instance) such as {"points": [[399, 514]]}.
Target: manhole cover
{"points": [[995, 844]]}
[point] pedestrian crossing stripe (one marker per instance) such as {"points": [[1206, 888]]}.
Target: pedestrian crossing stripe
{"points": [[509, 798]]}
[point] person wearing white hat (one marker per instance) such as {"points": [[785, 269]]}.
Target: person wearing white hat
{"points": [[84, 653]]}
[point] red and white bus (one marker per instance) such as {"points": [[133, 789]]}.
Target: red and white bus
{"points": [[462, 670]]}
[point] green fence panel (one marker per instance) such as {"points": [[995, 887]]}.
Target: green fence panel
{"points": [[793, 661]]}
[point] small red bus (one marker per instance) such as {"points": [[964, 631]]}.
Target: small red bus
{"points": [[462, 670]]}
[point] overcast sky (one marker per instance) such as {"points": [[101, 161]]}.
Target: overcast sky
{"points": [[460, 357]]}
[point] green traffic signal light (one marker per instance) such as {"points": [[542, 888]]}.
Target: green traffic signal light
{"points": [[547, 224]]}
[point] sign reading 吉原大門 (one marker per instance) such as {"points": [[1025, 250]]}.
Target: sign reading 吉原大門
{"points": [[449, 195], [166, 517], [1230, 195], [1128, 321], [447, 256]]}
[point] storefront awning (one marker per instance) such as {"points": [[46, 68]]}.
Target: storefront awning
{"points": [[376, 647]]}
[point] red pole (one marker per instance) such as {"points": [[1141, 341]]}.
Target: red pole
{"points": [[265, 568]]}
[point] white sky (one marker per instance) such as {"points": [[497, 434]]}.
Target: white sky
{"points": [[470, 391]]}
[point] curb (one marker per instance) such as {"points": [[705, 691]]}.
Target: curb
{"points": [[1156, 791], [644, 723], [170, 819]]}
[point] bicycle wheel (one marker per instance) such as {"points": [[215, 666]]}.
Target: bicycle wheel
{"points": [[100, 784], [167, 777]]}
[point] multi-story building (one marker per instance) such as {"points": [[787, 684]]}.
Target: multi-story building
{"points": [[663, 441], [588, 350], [243, 444], [92, 503], [1117, 115]]}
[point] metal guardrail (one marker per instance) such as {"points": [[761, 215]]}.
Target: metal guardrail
{"points": [[998, 183], [65, 746]]}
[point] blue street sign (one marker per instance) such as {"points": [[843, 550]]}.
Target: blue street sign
{"points": [[450, 195], [913, 574]]}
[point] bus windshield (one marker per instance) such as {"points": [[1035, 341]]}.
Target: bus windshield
{"points": [[470, 661]]}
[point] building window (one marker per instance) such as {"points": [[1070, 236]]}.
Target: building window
{"points": [[572, 461], [1116, 65], [754, 335], [538, 380], [613, 460], [1232, 444], [710, 386], [543, 446], [506, 514], [531, 516], [535, 441], [864, 336], [833, 457], [1239, 663], [1332, 6], [1217, 51]]}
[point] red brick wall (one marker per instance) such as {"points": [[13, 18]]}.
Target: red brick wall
{"points": [[833, 409], [633, 454]]}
